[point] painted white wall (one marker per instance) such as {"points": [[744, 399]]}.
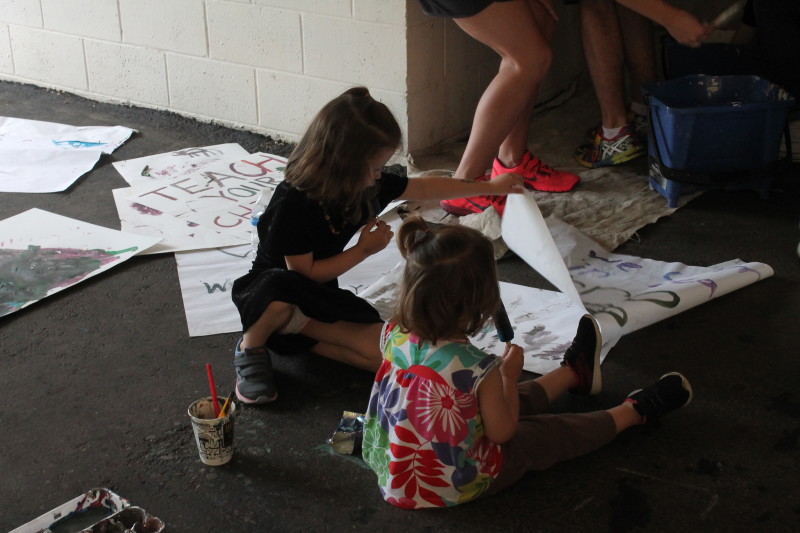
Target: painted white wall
{"points": [[262, 65]]}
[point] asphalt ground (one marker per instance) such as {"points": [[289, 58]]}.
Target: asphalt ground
{"points": [[97, 379]]}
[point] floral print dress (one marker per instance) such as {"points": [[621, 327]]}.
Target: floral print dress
{"points": [[423, 434]]}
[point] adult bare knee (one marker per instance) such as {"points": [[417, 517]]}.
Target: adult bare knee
{"points": [[531, 67]]}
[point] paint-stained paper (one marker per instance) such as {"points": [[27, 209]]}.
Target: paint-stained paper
{"points": [[219, 196], [40, 157], [176, 235], [544, 321], [42, 253], [625, 293], [622, 293], [171, 165]]}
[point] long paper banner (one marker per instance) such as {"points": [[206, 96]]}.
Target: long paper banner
{"points": [[623, 293]]}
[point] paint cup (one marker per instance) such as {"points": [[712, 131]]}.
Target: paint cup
{"points": [[214, 436]]}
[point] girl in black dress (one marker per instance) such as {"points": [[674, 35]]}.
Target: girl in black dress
{"points": [[334, 185]]}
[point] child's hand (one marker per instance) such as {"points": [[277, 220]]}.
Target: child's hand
{"points": [[512, 362], [375, 236], [507, 183]]}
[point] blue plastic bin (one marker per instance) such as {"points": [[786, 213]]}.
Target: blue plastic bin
{"points": [[706, 123]]}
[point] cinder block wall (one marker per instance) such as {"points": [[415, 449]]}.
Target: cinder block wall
{"points": [[261, 65]]}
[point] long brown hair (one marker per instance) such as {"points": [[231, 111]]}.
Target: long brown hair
{"points": [[449, 287], [331, 161]]}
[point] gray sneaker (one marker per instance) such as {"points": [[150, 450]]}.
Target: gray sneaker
{"points": [[254, 383]]}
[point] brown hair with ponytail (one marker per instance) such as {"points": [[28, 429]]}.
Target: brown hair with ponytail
{"points": [[449, 287], [332, 159]]}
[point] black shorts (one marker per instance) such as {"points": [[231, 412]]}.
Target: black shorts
{"points": [[455, 8], [253, 292]]}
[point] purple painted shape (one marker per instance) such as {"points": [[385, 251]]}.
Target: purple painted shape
{"points": [[143, 209]]}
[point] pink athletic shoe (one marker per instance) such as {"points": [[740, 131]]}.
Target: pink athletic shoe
{"points": [[537, 175], [474, 204]]}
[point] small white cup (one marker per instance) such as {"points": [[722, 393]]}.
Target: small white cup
{"points": [[214, 436]]}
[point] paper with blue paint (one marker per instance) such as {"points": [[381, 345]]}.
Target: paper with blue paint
{"points": [[41, 157]]}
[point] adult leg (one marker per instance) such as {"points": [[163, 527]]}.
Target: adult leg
{"points": [[616, 143], [640, 53], [516, 142], [603, 49], [510, 29]]}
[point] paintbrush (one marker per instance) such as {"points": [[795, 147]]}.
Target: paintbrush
{"points": [[213, 389], [503, 325], [728, 14], [225, 406]]}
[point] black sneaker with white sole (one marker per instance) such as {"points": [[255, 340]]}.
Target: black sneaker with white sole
{"points": [[671, 392], [583, 357]]}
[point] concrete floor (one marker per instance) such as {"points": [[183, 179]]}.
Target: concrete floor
{"points": [[98, 378]]}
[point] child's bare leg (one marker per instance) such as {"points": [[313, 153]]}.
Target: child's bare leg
{"points": [[351, 343], [274, 317], [557, 382], [625, 416], [346, 356]]}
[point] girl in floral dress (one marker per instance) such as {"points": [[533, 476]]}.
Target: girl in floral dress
{"points": [[446, 422]]}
